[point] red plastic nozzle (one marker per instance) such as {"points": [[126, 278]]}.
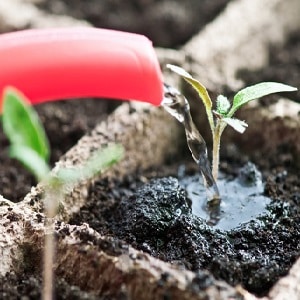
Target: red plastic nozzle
{"points": [[51, 64]]}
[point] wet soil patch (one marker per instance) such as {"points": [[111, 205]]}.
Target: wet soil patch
{"points": [[155, 216], [65, 123], [168, 23]]}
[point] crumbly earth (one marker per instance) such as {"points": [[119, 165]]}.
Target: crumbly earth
{"points": [[29, 285], [156, 217]]}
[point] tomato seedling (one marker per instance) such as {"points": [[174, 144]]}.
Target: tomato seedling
{"points": [[222, 116]]}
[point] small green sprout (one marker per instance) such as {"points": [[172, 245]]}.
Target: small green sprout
{"points": [[29, 145], [27, 137], [223, 114]]}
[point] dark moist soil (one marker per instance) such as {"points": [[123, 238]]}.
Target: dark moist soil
{"points": [[156, 217], [30, 286], [168, 23]]}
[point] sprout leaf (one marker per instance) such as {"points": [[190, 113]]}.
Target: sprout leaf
{"points": [[22, 125], [256, 91], [239, 125], [99, 162], [200, 88], [223, 105], [31, 160]]}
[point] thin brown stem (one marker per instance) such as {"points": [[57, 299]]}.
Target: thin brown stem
{"points": [[48, 260], [50, 202]]}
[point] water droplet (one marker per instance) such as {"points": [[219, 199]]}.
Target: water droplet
{"points": [[178, 212]]}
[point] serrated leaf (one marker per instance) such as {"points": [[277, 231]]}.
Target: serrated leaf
{"points": [[239, 125], [194, 83], [256, 91], [21, 123], [223, 105], [31, 160], [100, 161]]}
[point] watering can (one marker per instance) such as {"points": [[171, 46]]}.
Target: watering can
{"points": [[53, 64]]}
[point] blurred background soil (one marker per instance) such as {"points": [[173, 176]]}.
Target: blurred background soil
{"points": [[168, 23]]}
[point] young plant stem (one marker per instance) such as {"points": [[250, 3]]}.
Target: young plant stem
{"points": [[50, 202], [49, 249], [217, 133]]}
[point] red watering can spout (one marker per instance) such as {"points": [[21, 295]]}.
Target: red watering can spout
{"points": [[53, 64]]}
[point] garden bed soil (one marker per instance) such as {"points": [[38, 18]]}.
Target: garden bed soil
{"points": [[156, 217], [125, 210]]}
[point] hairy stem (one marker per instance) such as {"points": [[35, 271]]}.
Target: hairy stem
{"points": [[220, 126], [210, 120]]}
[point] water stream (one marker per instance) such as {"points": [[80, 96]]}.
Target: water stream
{"points": [[177, 105]]}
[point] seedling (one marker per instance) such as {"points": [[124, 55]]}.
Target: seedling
{"points": [[222, 115], [29, 145]]}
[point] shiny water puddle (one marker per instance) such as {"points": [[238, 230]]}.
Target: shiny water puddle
{"points": [[242, 198]]}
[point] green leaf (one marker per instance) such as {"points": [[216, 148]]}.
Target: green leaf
{"points": [[239, 125], [31, 160], [223, 105], [21, 123], [99, 162], [256, 91], [204, 96]]}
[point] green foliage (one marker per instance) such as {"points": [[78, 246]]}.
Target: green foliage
{"points": [[22, 125], [199, 87], [100, 161], [223, 105], [224, 112], [31, 160], [257, 91]]}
